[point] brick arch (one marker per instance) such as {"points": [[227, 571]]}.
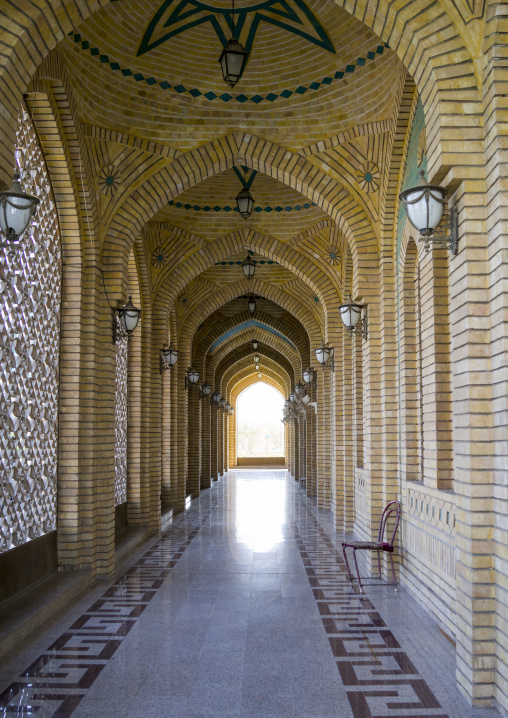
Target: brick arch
{"points": [[272, 349], [245, 382], [296, 335], [318, 275], [268, 291], [433, 22], [231, 363], [341, 203]]}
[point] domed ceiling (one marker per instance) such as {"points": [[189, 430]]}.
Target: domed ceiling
{"points": [[144, 65]]}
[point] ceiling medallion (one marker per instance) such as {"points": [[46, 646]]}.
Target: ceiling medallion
{"points": [[159, 257], [369, 177], [182, 300], [333, 255], [109, 180]]}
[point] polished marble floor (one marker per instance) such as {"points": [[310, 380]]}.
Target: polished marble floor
{"points": [[241, 608]]}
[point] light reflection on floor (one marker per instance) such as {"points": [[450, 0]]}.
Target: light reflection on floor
{"points": [[260, 510]]}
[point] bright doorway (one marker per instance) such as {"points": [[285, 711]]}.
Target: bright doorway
{"points": [[260, 433]]}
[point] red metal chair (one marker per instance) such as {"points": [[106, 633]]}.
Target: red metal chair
{"points": [[380, 545]]}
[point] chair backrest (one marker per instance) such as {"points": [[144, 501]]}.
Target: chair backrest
{"points": [[392, 508]]}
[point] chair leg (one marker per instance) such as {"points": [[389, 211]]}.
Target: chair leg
{"points": [[357, 571], [347, 564], [393, 573]]}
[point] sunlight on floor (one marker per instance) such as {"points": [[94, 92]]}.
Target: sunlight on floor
{"points": [[261, 512]]}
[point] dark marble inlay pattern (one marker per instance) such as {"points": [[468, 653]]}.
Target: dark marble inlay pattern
{"points": [[55, 683], [379, 679]]}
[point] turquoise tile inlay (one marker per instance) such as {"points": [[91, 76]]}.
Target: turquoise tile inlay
{"points": [[226, 97], [176, 16], [247, 325], [206, 208]]}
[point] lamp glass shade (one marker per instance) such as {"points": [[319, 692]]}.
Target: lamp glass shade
{"points": [[232, 61], [222, 402], [256, 358], [245, 202], [206, 389], [170, 355], [291, 397], [299, 388], [248, 267], [323, 354], [16, 210], [216, 397], [350, 314], [256, 367], [308, 376], [228, 406], [252, 305], [424, 205], [128, 316], [255, 344], [193, 376]]}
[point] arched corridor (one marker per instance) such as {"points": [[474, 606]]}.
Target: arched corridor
{"points": [[329, 224]]}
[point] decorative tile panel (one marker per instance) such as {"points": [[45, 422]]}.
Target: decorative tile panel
{"points": [[121, 421], [30, 298]]}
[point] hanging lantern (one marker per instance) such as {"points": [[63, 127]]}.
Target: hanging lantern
{"points": [[191, 377], [256, 367], [16, 210], [252, 305], [128, 317], [216, 397], [248, 266], [232, 61], [245, 202], [351, 314], [256, 358], [206, 389], [255, 344]]}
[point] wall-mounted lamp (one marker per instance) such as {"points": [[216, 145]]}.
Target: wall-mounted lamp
{"points": [[168, 358], [424, 205], [325, 355], [354, 317], [215, 398], [300, 389], [191, 377], [16, 210], [204, 390], [251, 303], [125, 320], [308, 375]]}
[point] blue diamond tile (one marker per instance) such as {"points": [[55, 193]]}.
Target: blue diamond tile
{"points": [[216, 208], [114, 65], [327, 81], [339, 75], [297, 207], [85, 44], [151, 81], [306, 206], [94, 51], [286, 93], [126, 72], [257, 99], [278, 209], [206, 208], [257, 209], [104, 59], [301, 90], [138, 77], [268, 209], [380, 49], [225, 97], [230, 264], [271, 97], [186, 206], [315, 85], [165, 85], [371, 55], [350, 68], [180, 88], [210, 96], [77, 38], [196, 207], [361, 61], [195, 93], [288, 208], [241, 98]]}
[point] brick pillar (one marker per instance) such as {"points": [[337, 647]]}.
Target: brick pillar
{"points": [[214, 435], [194, 430], [220, 441], [206, 457], [166, 438], [177, 498]]}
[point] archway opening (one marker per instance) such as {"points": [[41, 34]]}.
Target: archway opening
{"points": [[260, 437]]}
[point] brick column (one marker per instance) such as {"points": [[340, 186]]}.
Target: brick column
{"points": [[194, 443], [214, 436], [206, 457]]}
